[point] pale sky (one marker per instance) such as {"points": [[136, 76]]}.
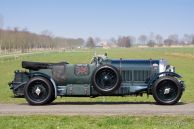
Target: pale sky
{"points": [[100, 18]]}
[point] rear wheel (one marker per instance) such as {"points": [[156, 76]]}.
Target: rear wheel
{"points": [[167, 90], [106, 79], [39, 91]]}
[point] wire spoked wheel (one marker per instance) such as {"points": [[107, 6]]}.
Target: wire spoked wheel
{"points": [[39, 91], [167, 90], [106, 79]]}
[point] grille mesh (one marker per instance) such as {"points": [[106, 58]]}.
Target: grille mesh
{"points": [[135, 75]]}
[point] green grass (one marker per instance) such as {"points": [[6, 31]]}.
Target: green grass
{"points": [[96, 122], [181, 58]]}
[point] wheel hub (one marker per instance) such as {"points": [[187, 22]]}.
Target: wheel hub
{"points": [[166, 91], [106, 78], [38, 91]]}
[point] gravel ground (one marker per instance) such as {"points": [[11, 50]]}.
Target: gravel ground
{"points": [[95, 108]]}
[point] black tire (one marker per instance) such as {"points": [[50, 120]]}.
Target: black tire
{"points": [[167, 90], [52, 99], [45, 88], [106, 79]]}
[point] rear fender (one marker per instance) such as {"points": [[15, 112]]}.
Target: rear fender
{"points": [[18, 83], [38, 74]]}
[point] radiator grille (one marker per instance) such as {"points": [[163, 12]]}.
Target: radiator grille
{"points": [[126, 75], [135, 75]]}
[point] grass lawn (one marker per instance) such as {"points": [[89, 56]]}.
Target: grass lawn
{"points": [[95, 122], [181, 58]]}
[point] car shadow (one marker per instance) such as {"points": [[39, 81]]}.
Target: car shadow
{"points": [[98, 103], [106, 103], [109, 103]]}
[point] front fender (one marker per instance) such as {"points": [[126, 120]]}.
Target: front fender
{"points": [[36, 74], [170, 74], [156, 76]]}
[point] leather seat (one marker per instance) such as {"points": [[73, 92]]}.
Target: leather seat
{"points": [[39, 65]]}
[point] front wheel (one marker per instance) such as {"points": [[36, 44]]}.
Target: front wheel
{"points": [[39, 91], [167, 90], [106, 79]]}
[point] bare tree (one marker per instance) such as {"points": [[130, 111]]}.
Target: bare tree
{"points": [[151, 36], [90, 43], [159, 39], [187, 38], [124, 41], [151, 43], [168, 42], [1, 27], [192, 41], [47, 33], [1, 21], [23, 40], [174, 38], [143, 39]]}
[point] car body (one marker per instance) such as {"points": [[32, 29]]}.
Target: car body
{"points": [[43, 82]]}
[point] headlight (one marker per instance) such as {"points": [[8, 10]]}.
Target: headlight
{"points": [[162, 66], [170, 68]]}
